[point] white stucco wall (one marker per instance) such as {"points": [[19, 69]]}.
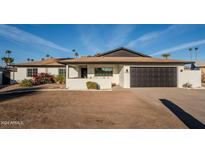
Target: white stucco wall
{"points": [[188, 76], [21, 73], [74, 72], [114, 78], [121, 76], [80, 84]]}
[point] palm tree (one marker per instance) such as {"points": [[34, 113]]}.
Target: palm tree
{"points": [[8, 52], [47, 55], [7, 59], [28, 59], [76, 55], [196, 53], [32, 59], [166, 55], [190, 52]]}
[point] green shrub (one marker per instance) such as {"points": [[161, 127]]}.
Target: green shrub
{"points": [[92, 85], [26, 83], [187, 85], [60, 79]]}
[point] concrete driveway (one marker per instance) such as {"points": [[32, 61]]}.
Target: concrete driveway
{"points": [[188, 105], [120, 108]]}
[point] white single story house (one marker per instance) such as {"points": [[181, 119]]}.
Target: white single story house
{"points": [[121, 66]]}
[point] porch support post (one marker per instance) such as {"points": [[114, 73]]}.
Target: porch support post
{"points": [[67, 75]]}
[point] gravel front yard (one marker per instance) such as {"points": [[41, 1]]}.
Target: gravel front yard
{"points": [[74, 109]]}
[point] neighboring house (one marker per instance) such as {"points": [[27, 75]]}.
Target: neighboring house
{"points": [[121, 66], [27, 70], [201, 66]]}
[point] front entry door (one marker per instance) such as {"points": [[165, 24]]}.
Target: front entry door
{"points": [[83, 72]]}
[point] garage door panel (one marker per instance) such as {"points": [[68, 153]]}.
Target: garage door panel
{"points": [[153, 77]]}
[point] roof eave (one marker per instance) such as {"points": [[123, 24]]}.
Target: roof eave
{"points": [[111, 62]]}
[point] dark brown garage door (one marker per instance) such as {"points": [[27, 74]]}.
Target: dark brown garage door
{"points": [[153, 77]]}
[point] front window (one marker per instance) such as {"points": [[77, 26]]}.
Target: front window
{"points": [[105, 71], [31, 72], [62, 71]]}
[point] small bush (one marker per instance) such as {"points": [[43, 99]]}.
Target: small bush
{"points": [[187, 85], [60, 79], [43, 78], [92, 85], [26, 83], [113, 84]]}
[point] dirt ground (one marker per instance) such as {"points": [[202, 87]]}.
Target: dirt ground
{"points": [[14, 87], [133, 108]]}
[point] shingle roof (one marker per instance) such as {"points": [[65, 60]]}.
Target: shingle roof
{"points": [[123, 48], [120, 60], [47, 62]]}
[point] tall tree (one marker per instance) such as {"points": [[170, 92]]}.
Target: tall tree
{"points": [[32, 59], [166, 55], [28, 59], [190, 52], [7, 59], [47, 55]]}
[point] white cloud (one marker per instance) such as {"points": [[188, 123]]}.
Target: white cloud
{"points": [[15, 34], [180, 47], [119, 35], [88, 37], [153, 36]]}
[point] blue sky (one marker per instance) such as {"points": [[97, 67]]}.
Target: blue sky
{"points": [[35, 41]]}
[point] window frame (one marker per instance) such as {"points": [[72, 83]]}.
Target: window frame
{"points": [[31, 74], [62, 70], [103, 74]]}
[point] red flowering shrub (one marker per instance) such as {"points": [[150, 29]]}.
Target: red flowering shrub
{"points": [[43, 78]]}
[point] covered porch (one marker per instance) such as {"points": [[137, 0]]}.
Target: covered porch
{"points": [[105, 75]]}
